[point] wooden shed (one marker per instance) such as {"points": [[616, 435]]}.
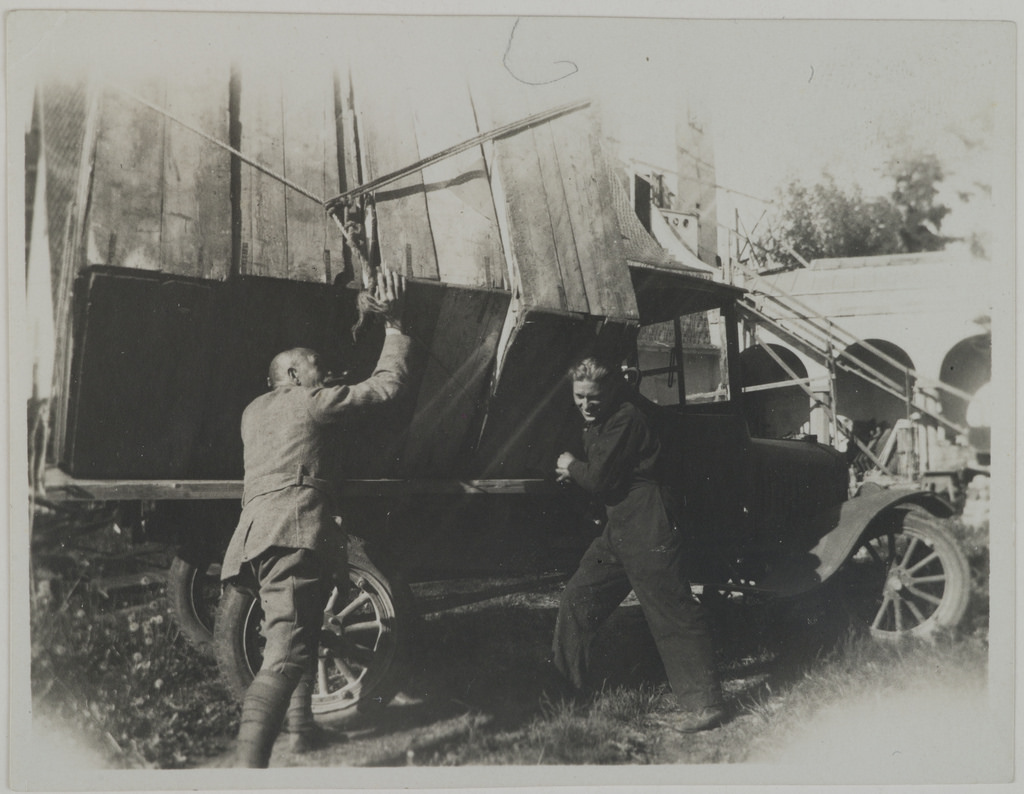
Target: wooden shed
{"points": [[183, 269]]}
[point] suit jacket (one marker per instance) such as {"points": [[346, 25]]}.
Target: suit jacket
{"points": [[288, 495]]}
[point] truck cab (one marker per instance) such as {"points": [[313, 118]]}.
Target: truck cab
{"points": [[747, 500]]}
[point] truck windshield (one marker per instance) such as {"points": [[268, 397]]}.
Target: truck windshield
{"points": [[684, 361]]}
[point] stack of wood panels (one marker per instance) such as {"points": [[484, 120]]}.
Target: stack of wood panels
{"points": [[519, 237]]}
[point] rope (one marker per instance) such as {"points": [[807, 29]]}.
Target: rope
{"points": [[503, 131]]}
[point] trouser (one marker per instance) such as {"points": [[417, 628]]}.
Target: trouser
{"points": [[293, 589], [675, 618]]}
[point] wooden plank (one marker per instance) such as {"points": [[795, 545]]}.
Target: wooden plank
{"points": [[310, 161], [139, 377], [387, 141], [562, 232], [461, 208], [264, 234], [62, 488], [531, 236], [451, 398], [595, 227], [531, 181], [123, 226], [196, 213]]}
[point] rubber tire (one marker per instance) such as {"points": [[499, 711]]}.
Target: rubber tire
{"points": [[933, 538], [188, 588], [236, 641]]}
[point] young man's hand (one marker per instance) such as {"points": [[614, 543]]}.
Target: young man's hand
{"points": [[562, 466]]}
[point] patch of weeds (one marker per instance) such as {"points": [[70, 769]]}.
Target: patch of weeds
{"points": [[974, 540], [632, 707], [131, 681]]}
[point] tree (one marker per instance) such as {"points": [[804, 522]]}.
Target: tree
{"points": [[914, 195], [827, 220]]}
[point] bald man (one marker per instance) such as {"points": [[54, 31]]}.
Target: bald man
{"points": [[287, 542]]}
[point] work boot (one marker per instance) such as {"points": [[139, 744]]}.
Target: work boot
{"points": [[305, 735], [263, 710], [702, 720]]}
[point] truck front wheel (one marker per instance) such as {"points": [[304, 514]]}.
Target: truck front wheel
{"points": [[363, 640], [911, 580]]}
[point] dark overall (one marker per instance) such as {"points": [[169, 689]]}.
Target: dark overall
{"points": [[640, 549]]}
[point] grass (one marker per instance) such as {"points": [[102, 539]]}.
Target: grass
{"points": [[111, 667], [131, 681], [120, 674], [624, 725]]}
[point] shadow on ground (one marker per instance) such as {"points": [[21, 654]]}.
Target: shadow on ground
{"points": [[480, 665]]}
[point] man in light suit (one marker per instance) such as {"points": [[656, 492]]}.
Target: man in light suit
{"points": [[288, 542]]}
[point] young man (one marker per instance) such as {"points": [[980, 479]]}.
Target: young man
{"points": [[288, 542], [640, 549]]}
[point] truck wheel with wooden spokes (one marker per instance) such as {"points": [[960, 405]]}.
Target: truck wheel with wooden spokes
{"points": [[363, 640], [908, 578], [193, 591]]}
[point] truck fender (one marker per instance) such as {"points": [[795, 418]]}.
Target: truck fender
{"points": [[856, 515], [841, 528]]}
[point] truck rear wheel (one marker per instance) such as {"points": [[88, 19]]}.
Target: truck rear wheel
{"points": [[363, 640], [910, 581], [193, 592]]}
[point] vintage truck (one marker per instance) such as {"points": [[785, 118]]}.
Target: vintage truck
{"points": [[186, 264]]}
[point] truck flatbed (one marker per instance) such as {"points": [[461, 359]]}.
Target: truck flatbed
{"points": [[61, 487]]}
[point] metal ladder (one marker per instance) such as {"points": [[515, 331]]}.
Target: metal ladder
{"points": [[801, 327]]}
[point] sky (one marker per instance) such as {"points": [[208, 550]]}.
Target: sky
{"points": [[784, 98]]}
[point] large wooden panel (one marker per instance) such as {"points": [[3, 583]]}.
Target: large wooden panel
{"points": [[595, 229], [138, 378], [531, 418], [459, 202], [387, 138], [257, 318], [125, 207], [530, 232], [519, 193], [196, 211], [451, 398], [556, 193]]}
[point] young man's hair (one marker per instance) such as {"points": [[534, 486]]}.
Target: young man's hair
{"points": [[594, 369]]}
